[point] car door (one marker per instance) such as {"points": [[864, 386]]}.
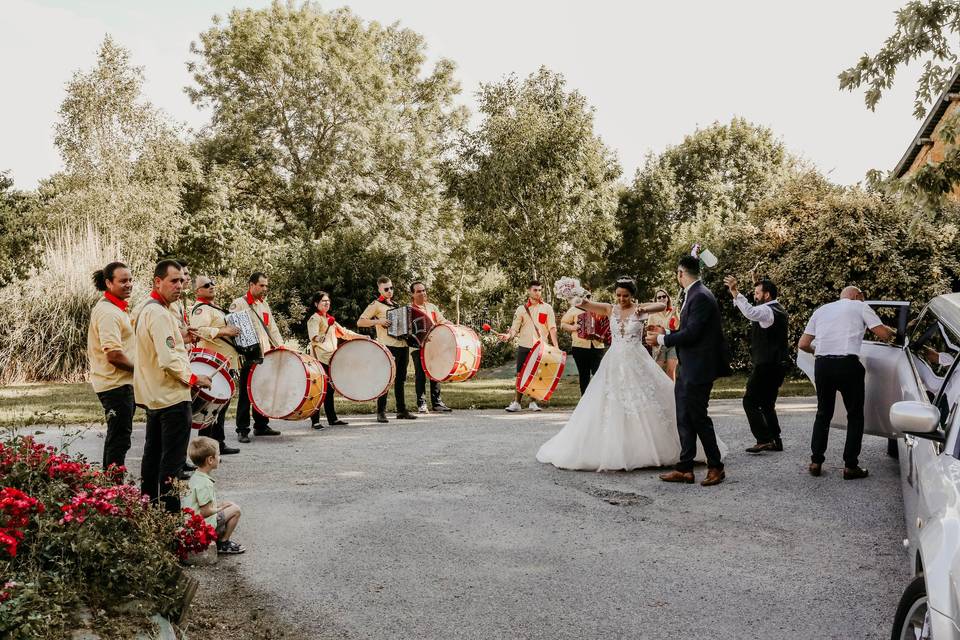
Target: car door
{"points": [[889, 378]]}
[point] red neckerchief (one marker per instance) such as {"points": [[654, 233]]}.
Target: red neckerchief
{"points": [[389, 303], [326, 316], [204, 300], [122, 304], [251, 301], [530, 303], [159, 298]]}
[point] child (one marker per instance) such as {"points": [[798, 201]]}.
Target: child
{"points": [[202, 496]]}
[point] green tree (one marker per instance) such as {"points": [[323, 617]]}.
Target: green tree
{"points": [[18, 232], [327, 121], [535, 181]]}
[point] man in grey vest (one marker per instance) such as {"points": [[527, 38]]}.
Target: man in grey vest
{"points": [[770, 355]]}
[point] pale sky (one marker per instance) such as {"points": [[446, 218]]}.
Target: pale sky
{"points": [[654, 71]]}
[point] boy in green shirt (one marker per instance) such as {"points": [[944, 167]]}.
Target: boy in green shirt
{"points": [[202, 496]]}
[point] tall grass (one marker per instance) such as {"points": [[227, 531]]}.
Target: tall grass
{"points": [[44, 317]]}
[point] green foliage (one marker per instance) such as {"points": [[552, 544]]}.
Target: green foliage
{"points": [[536, 181], [18, 232]]}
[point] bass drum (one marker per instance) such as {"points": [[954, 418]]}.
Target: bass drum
{"points": [[362, 370], [287, 385], [451, 353], [541, 371], [206, 404]]}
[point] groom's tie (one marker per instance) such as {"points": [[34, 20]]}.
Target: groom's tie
{"points": [[682, 298]]}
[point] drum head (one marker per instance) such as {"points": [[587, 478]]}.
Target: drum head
{"points": [[440, 352], [222, 388], [361, 370], [530, 366], [279, 384]]}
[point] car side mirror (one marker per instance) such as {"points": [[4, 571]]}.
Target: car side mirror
{"points": [[920, 419]]}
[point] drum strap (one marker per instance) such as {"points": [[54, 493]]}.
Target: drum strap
{"points": [[226, 339], [535, 326], [260, 320]]}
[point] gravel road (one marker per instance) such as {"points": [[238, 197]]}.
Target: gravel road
{"points": [[447, 527]]}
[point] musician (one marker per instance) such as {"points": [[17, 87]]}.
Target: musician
{"points": [[254, 304], [669, 319], [375, 315], [532, 322], [419, 294], [586, 353], [325, 334], [111, 346], [210, 325], [161, 382]]}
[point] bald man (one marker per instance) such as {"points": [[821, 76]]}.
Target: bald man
{"points": [[834, 336]]}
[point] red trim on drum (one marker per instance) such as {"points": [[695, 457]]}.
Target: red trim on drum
{"points": [[536, 364], [476, 367], [563, 364], [253, 403]]}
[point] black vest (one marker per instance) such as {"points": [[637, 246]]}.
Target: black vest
{"points": [[769, 346]]}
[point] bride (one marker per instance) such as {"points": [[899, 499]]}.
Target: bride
{"points": [[626, 419]]}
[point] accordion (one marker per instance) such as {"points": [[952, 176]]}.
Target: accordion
{"points": [[409, 324], [247, 342], [590, 326]]}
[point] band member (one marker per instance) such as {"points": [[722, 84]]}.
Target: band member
{"points": [[325, 334], [586, 353], [253, 303], [161, 383], [111, 345], [209, 322], [181, 307], [669, 319], [771, 360], [532, 322], [419, 293], [375, 315]]}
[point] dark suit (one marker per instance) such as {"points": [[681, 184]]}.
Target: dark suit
{"points": [[702, 354]]}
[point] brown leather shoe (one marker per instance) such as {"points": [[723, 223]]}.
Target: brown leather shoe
{"points": [[714, 476], [855, 473], [760, 447], [678, 476], [815, 469]]}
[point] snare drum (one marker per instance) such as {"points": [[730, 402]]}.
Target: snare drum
{"points": [[287, 385], [541, 371], [362, 370], [451, 353], [207, 403]]}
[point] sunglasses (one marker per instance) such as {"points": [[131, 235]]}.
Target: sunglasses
{"points": [[388, 288], [660, 298], [208, 285]]}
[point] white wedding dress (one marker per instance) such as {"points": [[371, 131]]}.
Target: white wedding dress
{"points": [[627, 417]]}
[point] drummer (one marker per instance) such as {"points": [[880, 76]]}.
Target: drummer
{"points": [[586, 353], [375, 315], [210, 324], [532, 320], [263, 322], [419, 292], [325, 334]]}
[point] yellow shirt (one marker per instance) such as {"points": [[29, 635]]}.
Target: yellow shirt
{"points": [[570, 317], [162, 375], [259, 309], [110, 330], [663, 318], [377, 310], [324, 340], [208, 321], [433, 312], [524, 328], [177, 308]]}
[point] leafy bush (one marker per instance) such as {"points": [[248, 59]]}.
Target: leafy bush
{"points": [[73, 537]]}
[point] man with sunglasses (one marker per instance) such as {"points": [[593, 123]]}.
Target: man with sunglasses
{"points": [[210, 323], [375, 315]]}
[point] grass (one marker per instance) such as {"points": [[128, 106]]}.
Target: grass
{"points": [[77, 403]]}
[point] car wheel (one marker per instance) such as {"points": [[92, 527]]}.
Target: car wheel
{"points": [[913, 616]]}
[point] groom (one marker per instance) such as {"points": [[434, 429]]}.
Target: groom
{"points": [[702, 355]]}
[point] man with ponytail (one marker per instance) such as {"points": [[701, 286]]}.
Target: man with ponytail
{"points": [[111, 345]]}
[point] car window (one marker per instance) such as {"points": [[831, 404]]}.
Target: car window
{"points": [[935, 349]]}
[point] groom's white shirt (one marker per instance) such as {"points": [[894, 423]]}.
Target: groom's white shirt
{"points": [[686, 292], [761, 313]]}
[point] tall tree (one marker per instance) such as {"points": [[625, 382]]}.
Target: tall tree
{"points": [[535, 180], [18, 231], [329, 121]]}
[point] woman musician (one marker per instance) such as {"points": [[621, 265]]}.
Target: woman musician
{"points": [[669, 318], [325, 334]]}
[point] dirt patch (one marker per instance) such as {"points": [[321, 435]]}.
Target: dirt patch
{"points": [[619, 498], [226, 606]]}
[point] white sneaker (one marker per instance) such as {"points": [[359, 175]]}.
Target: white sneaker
{"points": [[513, 407], [534, 407]]}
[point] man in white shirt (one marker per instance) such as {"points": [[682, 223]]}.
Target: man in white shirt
{"points": [[834, 335], [771, 359]]}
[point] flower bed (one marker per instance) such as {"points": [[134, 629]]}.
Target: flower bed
{"points": [[74, 538]]}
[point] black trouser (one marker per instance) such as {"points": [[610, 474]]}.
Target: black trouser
{"points": [[588, 361], [845, 375], [244, 408], [328, 406], [401, 355], [164, 452], [760, 400], [420, 381], [216, 430], [118, 408], [693, 422]]}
